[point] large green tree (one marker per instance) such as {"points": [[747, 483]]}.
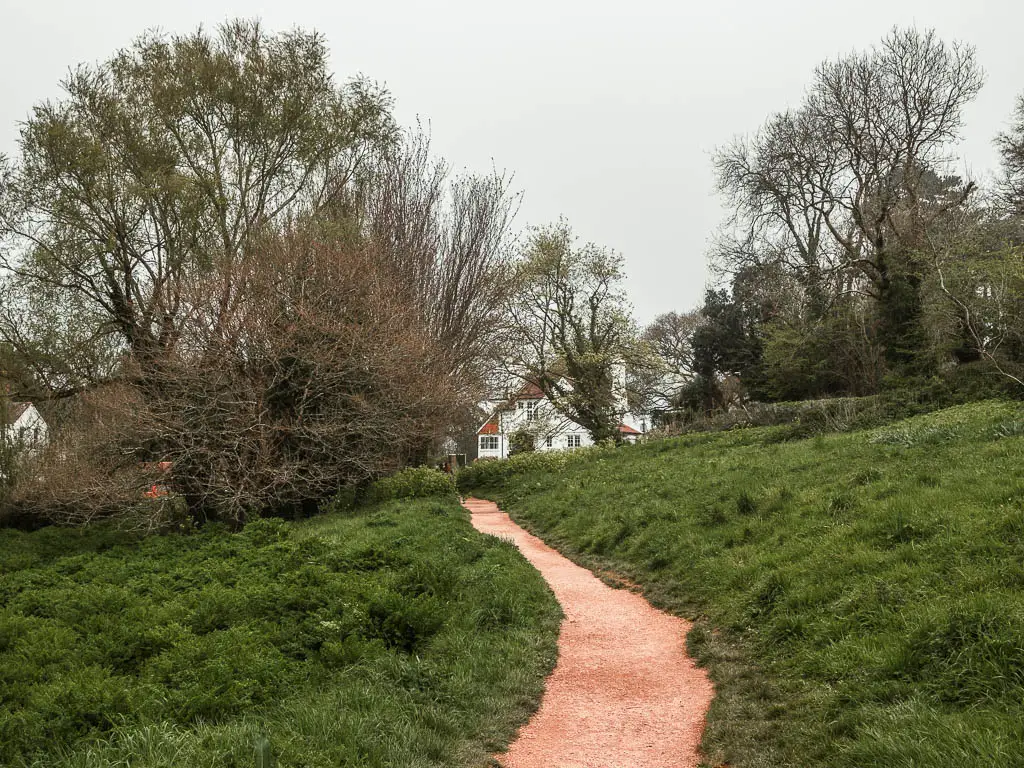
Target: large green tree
{"points": [[570, 326], [169, 159]]}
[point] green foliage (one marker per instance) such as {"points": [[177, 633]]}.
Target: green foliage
{"points": [[859, 595], [264, 754], [522, 441], [1011, 147], [571, 323], [488, 473], [826, 356], [173, 133], [728, 341], [412, 483], [396, 637]]}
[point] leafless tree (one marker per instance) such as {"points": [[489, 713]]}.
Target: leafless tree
{"points": [[670, 364], [776, 185], [844, 186], [448, 240]]}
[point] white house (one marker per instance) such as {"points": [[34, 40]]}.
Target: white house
{"points": [[530, 410], [23, 428]]}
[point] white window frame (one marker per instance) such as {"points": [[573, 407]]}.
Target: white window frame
{"points": [[531, 410], [573, 441], [490, 443]]}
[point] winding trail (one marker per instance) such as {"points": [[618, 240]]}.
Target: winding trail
{"points": [[624, 694]]}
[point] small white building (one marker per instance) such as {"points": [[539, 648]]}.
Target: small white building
{"points": [[24, 428], [530, 411]]}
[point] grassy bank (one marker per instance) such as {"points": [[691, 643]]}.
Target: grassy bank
{"points": [[860, 596], [394, 637]]}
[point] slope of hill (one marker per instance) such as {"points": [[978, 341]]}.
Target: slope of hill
{"points": [[394, 637], [860, 596]]}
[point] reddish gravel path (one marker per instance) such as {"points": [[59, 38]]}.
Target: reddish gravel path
{"points": [[624, 694]]}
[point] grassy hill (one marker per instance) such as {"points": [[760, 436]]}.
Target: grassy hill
{"points": [[860, 596], [394, 637]]}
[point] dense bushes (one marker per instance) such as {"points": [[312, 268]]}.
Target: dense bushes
{"points": [[489, 472], [413, 483], [274, 330], [396, 637]]}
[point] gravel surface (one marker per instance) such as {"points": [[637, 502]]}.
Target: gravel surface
{"points": [[624, 694]]}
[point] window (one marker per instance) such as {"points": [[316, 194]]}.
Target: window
{"points": [[489, 442], [572, 441], [549, 441], [531, 410]]}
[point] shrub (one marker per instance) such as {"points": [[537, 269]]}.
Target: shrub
{"points": [[522, 441], [413, 483], [481, 474]]}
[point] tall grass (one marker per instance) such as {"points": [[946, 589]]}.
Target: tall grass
{"points": [[395, 636], [860, 596]]}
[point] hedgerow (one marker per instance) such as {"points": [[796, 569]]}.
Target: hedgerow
{"points": [[412, 483], [488, 472]]}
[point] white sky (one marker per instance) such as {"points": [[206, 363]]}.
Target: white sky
{"points": [[605, 112]]}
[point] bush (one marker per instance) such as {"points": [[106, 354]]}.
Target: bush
{"points": [[412, 483], [485, 473], [522, 441]]}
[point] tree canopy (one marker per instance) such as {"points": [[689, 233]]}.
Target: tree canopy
{"points": [[169, 160]]}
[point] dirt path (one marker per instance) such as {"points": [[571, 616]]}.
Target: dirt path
{"points": [[624, 694]]}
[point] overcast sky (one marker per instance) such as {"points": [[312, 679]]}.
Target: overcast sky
{"points": [[605, 112]]}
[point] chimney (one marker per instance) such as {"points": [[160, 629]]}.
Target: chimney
{"points": [[618, 371]]}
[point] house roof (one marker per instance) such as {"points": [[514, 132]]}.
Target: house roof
{"points": [[16, 410], [529, 391], [490, 426], [625, 429]]}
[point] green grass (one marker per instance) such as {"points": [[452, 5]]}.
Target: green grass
{"points": [[859, 597], [393, 637]]}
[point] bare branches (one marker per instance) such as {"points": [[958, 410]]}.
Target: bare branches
{"points": [[323, 377], [855, 175], [267, 361], [448, 242], [1011, 147], [672, 364]]}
